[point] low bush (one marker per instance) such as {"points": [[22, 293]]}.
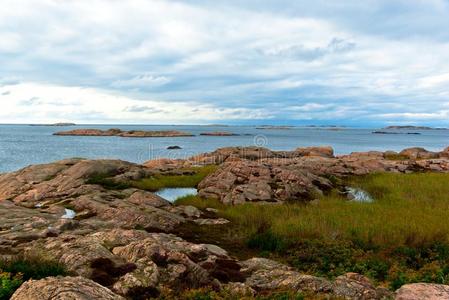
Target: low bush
{"points": [[14, 272], [161, 181]]}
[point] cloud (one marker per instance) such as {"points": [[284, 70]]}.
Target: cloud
{"points": [[275, 59], [141, 81], [44, 103], [305, 53]]}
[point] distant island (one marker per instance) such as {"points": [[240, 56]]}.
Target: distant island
{"points": [[410, 127], [55, 124], [274, 127], [219, 133], [121, 133], [390, 132]]}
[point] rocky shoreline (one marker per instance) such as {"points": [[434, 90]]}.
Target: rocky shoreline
{"points": [[123, 241]]}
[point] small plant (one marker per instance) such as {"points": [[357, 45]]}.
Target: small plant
{"points": [[14, 272], [9, 283]]}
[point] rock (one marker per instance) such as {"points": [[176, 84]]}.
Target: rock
{"points": [[243, 181], [173, 148], [426, 291], [118, 132], [418, 153], [219, 221], [59, 288], [266, 275], [324, 151], [445, 153], [356, 286]]}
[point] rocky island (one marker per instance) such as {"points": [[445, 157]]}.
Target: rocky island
{"points": [[61, 124], [218, 133], [95, 229], [121, 133]]}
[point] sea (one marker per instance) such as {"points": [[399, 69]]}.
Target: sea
{"points": [[23, 145]]}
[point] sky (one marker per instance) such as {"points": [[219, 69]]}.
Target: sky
{"points": [[345, 62]]}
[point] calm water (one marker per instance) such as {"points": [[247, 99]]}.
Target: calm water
{"points": [[22, 145], [171, 194]]}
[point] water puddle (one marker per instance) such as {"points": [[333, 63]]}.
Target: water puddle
{"points": [[69, 214], [171, 194], [358, 195]]}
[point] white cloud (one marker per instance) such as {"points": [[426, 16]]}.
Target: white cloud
{"points": [[41, 103], [144, 80], [232, 58]]}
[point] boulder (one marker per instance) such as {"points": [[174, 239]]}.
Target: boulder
{"points": [[418, 153], [426, 291], [324, 151], [60, 288]]}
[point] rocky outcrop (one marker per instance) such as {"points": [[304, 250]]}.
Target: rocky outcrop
{"points": [[267, 275], [119, 132], [60, 288], [128, 261], [426, 291], [243, 181], [261, 175]]}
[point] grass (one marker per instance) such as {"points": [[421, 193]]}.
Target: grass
{"points": [[402, 237], [158, 182], [14, 272], [107, 182]]}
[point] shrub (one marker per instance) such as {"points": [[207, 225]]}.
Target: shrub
{"points": [[8, 284], [161, 181]]}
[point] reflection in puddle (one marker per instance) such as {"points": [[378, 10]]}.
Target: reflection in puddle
{"points": [[171, 194], [69, 214], [359, 195]]}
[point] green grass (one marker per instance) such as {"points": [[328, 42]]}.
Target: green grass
{"points": [[158, 182], [402, 237], [107, 182], [14, 272]]}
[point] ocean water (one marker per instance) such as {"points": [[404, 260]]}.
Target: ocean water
{"points": [[22, 145]]}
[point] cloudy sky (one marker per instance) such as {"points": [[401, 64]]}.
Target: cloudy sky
{"points": [[346, 62]]}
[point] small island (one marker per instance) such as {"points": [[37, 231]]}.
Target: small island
{"points": [[219, 133], [411, 127], [61, 124], [121, 133], [283, 127]]}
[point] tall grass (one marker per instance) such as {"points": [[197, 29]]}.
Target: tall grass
{"points": [[410, 211], [161, 181]]}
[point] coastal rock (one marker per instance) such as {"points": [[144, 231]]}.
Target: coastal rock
{"points": [[324, 151], [426, 291], [243, 181], [418, 153], [356, 286], [59, 288], [267, 275], [173, 148]]}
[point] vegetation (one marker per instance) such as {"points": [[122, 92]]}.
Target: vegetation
{"points": [[14, 272], [107, 182], [403, 236], [160, 181], [210, 294]]}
